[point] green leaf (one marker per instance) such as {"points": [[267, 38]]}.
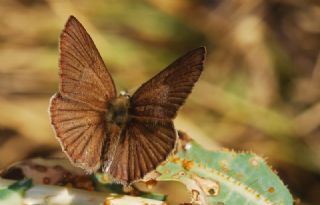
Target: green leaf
{"points": [[225, 177], [21, 186], [14, 193]]}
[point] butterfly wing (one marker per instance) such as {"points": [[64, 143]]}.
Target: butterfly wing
{"points": [[149, 137], [142, 147], [85, 88], [83, 74], [160, 98], [79, 131]]}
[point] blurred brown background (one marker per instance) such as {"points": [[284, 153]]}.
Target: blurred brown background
{"points": [[259, 91]]}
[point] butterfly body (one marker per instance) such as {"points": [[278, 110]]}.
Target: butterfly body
{"points": [[117, 110], [125, 137]]}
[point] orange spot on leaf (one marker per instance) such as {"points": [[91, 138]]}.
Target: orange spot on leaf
{"points": [[271, 189], [187, 164], [175, 160]]}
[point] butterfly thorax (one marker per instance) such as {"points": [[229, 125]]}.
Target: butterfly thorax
{"points": [[117, 111]]}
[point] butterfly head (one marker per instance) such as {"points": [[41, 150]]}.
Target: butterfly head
{"points": [[124, 93]]}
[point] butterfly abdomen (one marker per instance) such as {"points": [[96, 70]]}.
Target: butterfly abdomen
{"points": [[117, 111]]}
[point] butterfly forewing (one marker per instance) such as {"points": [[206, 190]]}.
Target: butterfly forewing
{"points": [[160, 98], [78, 109], [149, 136], [83, 75]]}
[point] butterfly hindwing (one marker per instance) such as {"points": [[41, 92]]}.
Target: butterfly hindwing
{"points": [[142, 147], [79, 131]]}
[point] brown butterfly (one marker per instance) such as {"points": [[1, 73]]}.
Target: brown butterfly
{"points": [[126, 137]]}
